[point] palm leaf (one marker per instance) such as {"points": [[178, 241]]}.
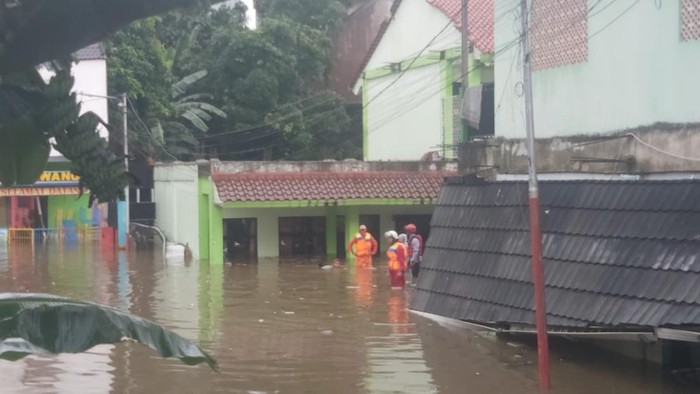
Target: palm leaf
{"points": [[214, 110], [196, 121], [42, 323], [180, 87], [157, 132], [184, 45], [202, 114], [195, 97]]}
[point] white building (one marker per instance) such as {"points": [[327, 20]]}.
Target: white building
{"points": [[411, 80], [90, 72], [601, 69]]}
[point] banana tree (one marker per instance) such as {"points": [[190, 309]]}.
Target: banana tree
{"points": [[42, 323], [192, 114], [32, 113]]}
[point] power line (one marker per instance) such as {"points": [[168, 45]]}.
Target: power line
{"points": [[265, 124], [628, 9], [404, 109], [148, 130]]}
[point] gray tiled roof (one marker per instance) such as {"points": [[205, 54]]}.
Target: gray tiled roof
{"points": [[91, 52], [616, 254]]}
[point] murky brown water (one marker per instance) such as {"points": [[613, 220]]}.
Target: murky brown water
{"points": [[281, 328]]}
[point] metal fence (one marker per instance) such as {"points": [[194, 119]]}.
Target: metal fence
{"points": [[452, 139], [51, 235]]}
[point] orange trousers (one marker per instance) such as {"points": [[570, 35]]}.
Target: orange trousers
{"points": [[364, 261]]}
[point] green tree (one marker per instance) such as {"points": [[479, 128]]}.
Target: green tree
{"points": [[34, 112], [270, 82], [163, 119]]}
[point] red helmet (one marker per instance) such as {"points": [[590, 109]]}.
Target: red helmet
{"points": [[410, 228]]}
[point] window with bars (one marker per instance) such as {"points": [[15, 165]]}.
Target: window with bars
{"points": [[690, 20], [559, 33]]}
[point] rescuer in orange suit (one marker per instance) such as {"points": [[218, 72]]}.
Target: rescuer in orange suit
{"points": [[396, 255], [365, 247]]}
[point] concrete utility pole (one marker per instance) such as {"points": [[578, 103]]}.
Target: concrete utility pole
{"points": [[534, 203], [465, 45], [465, 59], [125, 110]]}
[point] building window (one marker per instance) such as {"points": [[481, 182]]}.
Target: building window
{"points": [[690, 20], [559, 33]]}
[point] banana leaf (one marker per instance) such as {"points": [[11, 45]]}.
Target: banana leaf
{"points": [[44, 323]]}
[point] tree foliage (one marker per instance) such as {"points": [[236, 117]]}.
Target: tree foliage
{"points": [[34, 112], [270, 82]]}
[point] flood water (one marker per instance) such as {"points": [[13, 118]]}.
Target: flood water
{"points": [[283, 327]]}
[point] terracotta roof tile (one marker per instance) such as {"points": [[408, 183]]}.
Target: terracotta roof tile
{"points": [[480, 14], [328, 186]]}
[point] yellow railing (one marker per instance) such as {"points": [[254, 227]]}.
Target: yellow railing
{"points": [[31, 235], [20, 235]]}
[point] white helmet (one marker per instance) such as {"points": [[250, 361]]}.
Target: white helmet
{"points": [[391, 234]]}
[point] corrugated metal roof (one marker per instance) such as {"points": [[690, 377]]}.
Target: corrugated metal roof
{"points": [[616, 254]]}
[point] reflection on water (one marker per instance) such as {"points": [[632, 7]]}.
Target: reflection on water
{"points": [[277, 327]]}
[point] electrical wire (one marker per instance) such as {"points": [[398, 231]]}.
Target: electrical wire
{"points": [[628, 9], [267, 124], [507, 47], [404, 108], [654, 148], [148, 130]]}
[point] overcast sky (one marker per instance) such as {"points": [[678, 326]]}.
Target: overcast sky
{"points": [[251, 11]]}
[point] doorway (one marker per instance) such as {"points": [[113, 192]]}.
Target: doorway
{"points": [[302, 236], [241, 238]]}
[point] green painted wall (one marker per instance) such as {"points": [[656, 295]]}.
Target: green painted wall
{"points": [[211, 218], [68, 208], [365, 120], [216, 233], [447, 110], [211, 225], [204, 191]]}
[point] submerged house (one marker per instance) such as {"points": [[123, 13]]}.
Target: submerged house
{"points": [[619, 178], [248, 210]]}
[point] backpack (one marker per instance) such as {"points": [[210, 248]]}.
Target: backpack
{"points": [[422, 245]]}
